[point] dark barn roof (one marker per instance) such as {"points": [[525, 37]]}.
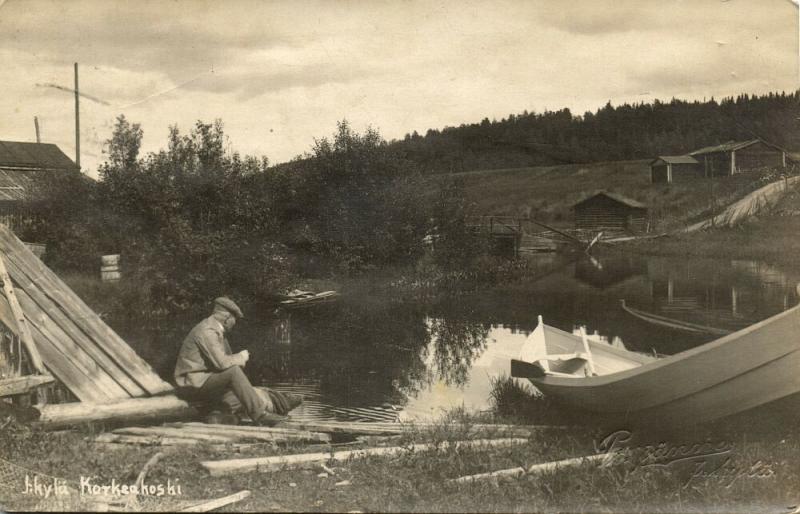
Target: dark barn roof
{"points": [[676, 159], [14, 154], [20, 162], [614, 196], [731, 146]]}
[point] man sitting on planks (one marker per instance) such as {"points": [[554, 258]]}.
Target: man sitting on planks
{"points": [[207, 370]]}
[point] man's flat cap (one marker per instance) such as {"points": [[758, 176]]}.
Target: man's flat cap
{"points": [[229, 305]]}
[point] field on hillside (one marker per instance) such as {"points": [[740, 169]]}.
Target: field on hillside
{"points": [[546, 193]]}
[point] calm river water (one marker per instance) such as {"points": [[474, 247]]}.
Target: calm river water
{"points": [[368, 357]]}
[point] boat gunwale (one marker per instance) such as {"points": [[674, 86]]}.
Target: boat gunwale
{"points": [[666, 361]]}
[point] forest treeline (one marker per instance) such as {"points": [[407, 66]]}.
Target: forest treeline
{"points": [[612, 133]]}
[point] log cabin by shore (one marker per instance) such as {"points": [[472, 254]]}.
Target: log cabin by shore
{"points": [[610, 212]]}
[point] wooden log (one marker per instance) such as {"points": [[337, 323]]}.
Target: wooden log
{"points": [[155, 409], [175, 432], [20, 385], [268, 464], [218, 503], [86, 319], [536, 469], [252, 432], [549, 467], [122, 439], [510, 472]]}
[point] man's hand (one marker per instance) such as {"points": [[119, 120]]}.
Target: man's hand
{"points": [[245, 355]]}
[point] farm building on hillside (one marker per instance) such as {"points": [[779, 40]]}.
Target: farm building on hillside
{"points": [[737, 157], [669, 168], [20, 165], [609, 211]]}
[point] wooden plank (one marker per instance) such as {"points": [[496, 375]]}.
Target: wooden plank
{"points": [[157, 408], [379, 428], [173, 432], [19, 385], [109, 438], [40, 308], [536, 469], [509, 472], [83, 379], [303, 460], [44, 327], [334, 427], [19, 316], [218, 503], [86, 319], [260, 433], [549, 467], [87, 375]]}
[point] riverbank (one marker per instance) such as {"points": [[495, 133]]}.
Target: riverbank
{"points": [[752, 475], [773, 236]]}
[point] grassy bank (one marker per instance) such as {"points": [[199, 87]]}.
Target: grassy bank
{"points": [[753, 476], [547, 192], [772, 236]]}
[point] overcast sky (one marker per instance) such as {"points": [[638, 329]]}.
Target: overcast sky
{"points": [[280, 73]]}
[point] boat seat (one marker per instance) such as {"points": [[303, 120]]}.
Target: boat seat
{"points": [[568, 364]]}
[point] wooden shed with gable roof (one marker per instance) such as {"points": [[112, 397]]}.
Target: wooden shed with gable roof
{"points": [[667, 169], [606, 211], [739, 157], [21, 164]]}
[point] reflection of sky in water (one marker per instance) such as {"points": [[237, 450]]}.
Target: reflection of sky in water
{"points": [[503, 345]]}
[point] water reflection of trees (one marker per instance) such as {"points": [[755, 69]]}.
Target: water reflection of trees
{"points": [[455, 344], [365, 353], [361, 353]]}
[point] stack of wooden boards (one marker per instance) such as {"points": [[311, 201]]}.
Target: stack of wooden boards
{"points": [[75, 345], [190, 433]]}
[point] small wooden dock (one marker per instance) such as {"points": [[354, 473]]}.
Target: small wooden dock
{"points": [[504, 232]]}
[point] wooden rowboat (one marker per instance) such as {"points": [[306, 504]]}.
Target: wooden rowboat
{"points": [[298, 298], [673, 323], [734, 373]]}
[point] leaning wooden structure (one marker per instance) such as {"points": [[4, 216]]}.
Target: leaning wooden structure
{"points": [[62, 337]]}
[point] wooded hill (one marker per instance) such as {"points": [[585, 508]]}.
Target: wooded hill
{"points": [[612, 133]]}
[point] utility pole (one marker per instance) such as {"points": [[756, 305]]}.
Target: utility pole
{"points": [[77, 122], [36, 124]]}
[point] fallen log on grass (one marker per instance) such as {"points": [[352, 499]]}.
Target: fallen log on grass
{"points": [[536, 469], [135, 410], [304, 460]]}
